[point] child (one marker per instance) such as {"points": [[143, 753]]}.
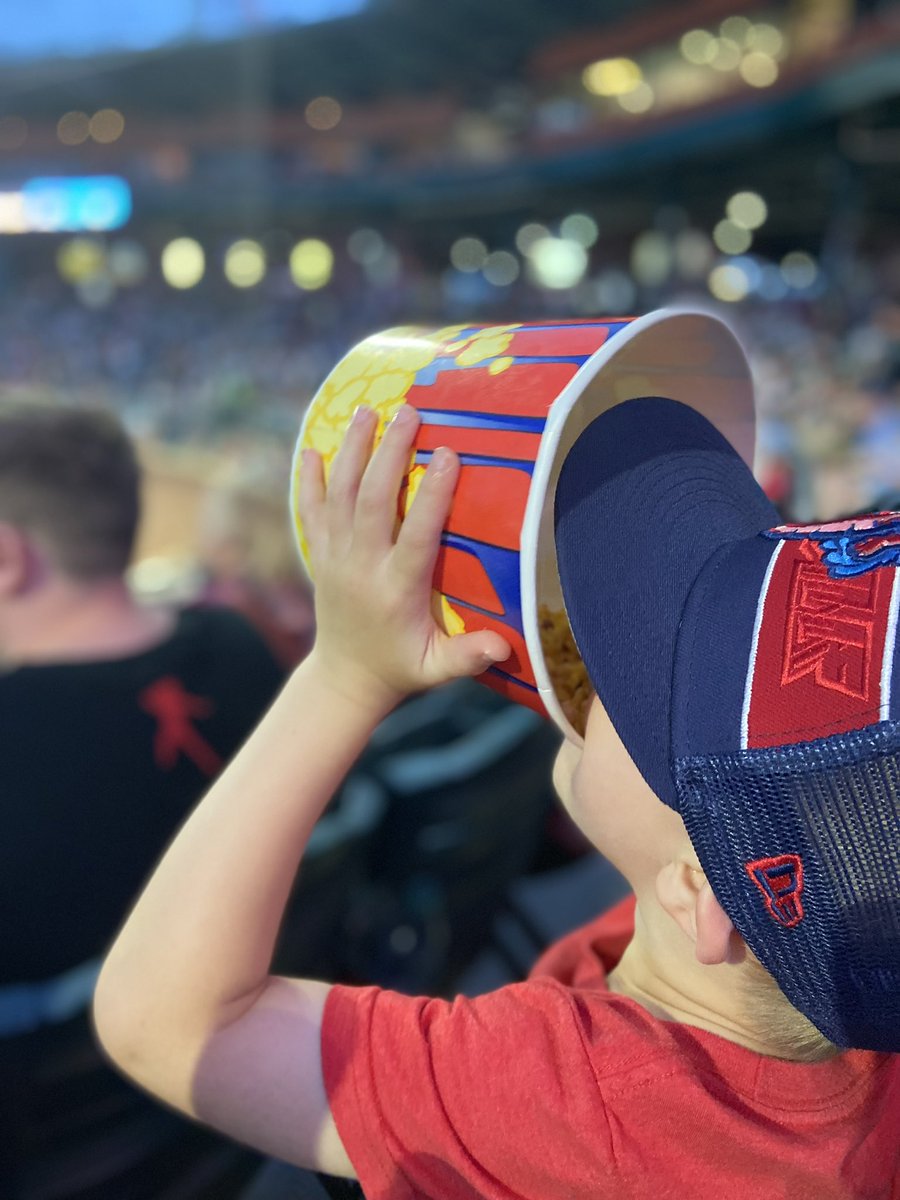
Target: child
{"points": [[659, 1060]]}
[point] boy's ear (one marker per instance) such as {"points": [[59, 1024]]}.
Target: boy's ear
{"points": [[685, 894]]}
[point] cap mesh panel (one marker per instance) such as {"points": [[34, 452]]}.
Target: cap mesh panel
{"points": [[834, 803]]}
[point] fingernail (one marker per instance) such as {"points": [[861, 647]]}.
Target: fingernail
{"points": [[402, 415], [441, 459], [360, 414]]}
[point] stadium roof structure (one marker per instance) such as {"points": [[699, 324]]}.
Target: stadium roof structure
{"points": [[405, 69], [392, 46]]}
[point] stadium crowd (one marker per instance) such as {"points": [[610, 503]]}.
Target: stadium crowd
{"points": [[233, 370]]}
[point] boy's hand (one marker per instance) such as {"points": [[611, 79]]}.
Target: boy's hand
{"points": [[377, 638]]}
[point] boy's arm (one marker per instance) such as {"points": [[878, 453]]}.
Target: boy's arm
{"points": [[185, 1003]]}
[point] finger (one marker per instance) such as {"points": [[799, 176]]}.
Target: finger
{"points": [[311, 498], [472, 653], [376, 509], [419, 539], [347, 472]]}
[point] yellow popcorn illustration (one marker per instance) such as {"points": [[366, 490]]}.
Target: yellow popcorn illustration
{"points": [[490, 342], [379, 373], [444, 613]]}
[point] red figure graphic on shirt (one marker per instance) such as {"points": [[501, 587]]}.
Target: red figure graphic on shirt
{"points": [[174, 710]]}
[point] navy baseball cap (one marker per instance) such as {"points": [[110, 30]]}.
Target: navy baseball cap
{"points": [[750, 669]]}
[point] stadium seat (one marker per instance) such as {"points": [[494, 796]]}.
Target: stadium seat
{"points": [[73, 1129], [332, 876], [463, 821]]}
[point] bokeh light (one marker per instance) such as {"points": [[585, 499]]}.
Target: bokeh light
{"points": [[529, 234], [311, 264], [73, 128], [501, 268], [557, 262], [128, 263], [766, 39], [107, 125], [579, 227], [365, 245], [799, 269], [183, 263], [747, 209], [737, 28], [694, 253], [612, 76], [80, 258], [468, 254], [323, 113], [732, 238], [758, 69], [698, 46], [384, 270], [638, 100], [727, 55], [13, 218], [652, 257], [729, 282], [245, 263]]}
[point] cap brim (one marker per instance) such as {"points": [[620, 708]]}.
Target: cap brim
{"points": [[646, 495]]}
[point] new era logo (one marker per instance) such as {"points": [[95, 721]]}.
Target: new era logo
{"points": [[780, 882]]}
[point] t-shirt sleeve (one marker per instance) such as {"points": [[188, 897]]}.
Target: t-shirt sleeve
{"points": [[584, 957], [494, 1096]]}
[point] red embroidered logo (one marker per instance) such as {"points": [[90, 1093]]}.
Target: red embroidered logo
{"points": [[831, 629], [780, 882], [175, 710]]}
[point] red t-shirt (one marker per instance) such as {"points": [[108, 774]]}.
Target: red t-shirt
{"points": [[557, 1089]]}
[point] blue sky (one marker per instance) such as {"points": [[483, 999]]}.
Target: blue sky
{"points": [[73, 27]]}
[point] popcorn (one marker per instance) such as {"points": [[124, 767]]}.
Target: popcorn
{"points": [[567, 672]]}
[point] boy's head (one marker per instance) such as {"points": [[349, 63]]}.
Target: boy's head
{"points": [[750, 672], [69, 493]]}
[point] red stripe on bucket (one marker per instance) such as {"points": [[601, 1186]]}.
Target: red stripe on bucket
{"points": [[461, 574], [558, 343], [491, 443], [528, 390], [489, 505]]}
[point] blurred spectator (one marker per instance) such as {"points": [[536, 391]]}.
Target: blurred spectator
{"points": [[250, 564], [114, 717]]}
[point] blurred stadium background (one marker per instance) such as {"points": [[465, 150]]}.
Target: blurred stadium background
{"points": [[203, 203]]}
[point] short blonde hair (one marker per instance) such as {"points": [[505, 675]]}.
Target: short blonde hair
{"points": [[790, 1034]]}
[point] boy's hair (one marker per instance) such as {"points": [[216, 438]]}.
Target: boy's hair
{"points": [[789, 1033], [752, 671], [69, 479]]}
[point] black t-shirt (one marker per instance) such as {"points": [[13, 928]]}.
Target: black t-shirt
{"points": [[99, 764]]}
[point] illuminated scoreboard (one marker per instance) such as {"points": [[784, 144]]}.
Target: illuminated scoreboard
{"points": [[66, 204]]}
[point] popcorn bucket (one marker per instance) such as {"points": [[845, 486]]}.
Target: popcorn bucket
{"points": [[511, 400]]}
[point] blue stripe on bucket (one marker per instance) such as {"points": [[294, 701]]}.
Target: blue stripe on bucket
{"points": [[512, 679], [467, 420], [423, 457]]}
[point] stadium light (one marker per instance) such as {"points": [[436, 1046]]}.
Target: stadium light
{"points": [[245, 263], [311, 264], [183, 263]]}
